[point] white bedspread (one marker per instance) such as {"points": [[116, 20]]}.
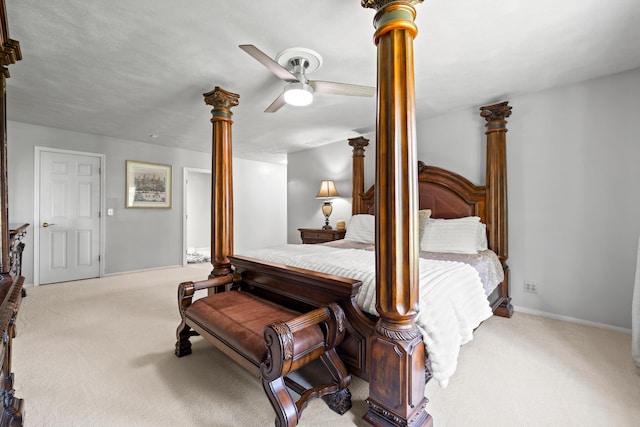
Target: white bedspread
{"points": [[452, 300]]}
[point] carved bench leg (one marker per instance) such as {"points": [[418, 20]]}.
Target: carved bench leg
{"points": [[183, 345], [340, 401], [184, 332], [281, 401]]}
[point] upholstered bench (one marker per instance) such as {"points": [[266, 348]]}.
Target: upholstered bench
{"points": [[272, 340]]}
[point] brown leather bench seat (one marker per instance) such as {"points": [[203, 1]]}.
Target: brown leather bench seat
{"points": [[280, 344], [240, 318]]}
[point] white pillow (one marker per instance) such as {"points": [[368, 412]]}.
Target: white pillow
{"points": [[361, 229], [423, 218], [458, 235], [482, 242]]}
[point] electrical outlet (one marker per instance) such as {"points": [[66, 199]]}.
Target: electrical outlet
{"points": [[530, 287]]}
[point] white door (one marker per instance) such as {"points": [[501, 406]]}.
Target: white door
{"points": [[69, 232]]}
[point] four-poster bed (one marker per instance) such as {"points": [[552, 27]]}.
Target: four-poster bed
{"points": [[388, 349], [445, 195]]}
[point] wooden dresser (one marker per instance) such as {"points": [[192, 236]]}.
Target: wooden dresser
{"points": [[319, 235]]}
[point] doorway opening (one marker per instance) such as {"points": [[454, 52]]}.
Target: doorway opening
{"points": [[197, 216]]}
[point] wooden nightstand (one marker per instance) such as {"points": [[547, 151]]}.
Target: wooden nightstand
{"points": [[313, 235]]}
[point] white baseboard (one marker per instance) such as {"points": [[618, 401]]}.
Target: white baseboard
{"points": [[144, 270], [570, 319]]}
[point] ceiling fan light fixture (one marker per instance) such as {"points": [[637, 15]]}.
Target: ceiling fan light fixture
{"points": [[298, 94]]}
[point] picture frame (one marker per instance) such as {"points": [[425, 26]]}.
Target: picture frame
{"points": [[148, 185]]}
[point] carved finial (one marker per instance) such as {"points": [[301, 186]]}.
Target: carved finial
{"points": [[496, 111], [221, 100], [358, 145], [422, 167], [379, 4]]}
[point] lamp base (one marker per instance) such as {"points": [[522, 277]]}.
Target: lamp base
{"points": [[326, 211]]}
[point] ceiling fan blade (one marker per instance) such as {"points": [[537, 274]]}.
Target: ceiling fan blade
{"points": [[341, 88], [271, 65], [276, 105]]}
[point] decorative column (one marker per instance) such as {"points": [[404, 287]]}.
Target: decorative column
{"points": [[9, 54], [221, 180], [397, 352], [358, 145], [497, 229]]}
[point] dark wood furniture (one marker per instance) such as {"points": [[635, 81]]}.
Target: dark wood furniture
{"points": [[388, 350], [16, 247], [274, 327], [12, 410], [313, 235], [272, 339]]}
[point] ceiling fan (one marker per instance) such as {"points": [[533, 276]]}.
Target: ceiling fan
{"points": [[292, 66]]}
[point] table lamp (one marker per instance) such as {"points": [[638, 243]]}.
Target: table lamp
{"points": [[327, 192]]}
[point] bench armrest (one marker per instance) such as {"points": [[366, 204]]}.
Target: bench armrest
{"points": [[187, 289], [285, 356]]}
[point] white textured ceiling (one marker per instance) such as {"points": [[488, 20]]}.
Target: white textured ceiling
{"points": [[129, 69]]}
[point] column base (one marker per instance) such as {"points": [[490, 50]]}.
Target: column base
{"points": [[378, 416]]}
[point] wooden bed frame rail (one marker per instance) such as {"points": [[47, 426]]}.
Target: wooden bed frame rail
{"points": [[277, 282]]}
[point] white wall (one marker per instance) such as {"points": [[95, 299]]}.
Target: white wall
{"points": [[574, 205], [306, 170], [259, 205], [138, 239]]}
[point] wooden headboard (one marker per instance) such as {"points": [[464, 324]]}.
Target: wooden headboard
{"points": [[450, 195], [446, 193]]}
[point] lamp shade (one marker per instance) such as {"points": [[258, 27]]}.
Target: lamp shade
{"points": [[327, 190]]}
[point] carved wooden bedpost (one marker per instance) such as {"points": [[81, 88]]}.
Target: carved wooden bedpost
{"points": [[397, 352], [496, 115], [221, 180], [358, 145]]}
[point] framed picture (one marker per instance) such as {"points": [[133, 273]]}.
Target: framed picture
{"points": [[148, 185]]}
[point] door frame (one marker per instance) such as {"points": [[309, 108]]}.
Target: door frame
{"points": [[36, 205], [185, 192]]}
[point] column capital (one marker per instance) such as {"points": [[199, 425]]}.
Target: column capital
{"points": [[393, 15], [358, 145], [494, 112], [379, 4], [10, 52], [222, 102]]}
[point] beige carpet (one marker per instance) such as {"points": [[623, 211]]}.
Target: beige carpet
{"points": [[100, 353]]}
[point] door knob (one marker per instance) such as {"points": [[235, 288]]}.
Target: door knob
{"points": [[46, 224]]}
